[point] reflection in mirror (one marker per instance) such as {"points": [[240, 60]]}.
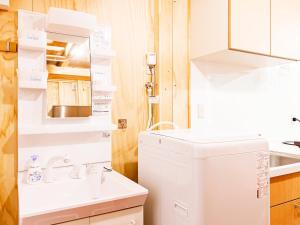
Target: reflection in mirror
{"points": [[69, 76]]}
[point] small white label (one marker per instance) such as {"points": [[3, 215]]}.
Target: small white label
{"points": [[101, 38], [154, 99]]}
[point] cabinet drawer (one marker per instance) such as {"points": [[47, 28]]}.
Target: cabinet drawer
{"points": [[132, 216], [286, 214], [77, 222], [284, 188]]}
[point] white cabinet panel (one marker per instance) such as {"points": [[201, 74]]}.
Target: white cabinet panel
{"points": [[77, 222], [250, 25], [285, 29], [209, 27], [132, 216]]}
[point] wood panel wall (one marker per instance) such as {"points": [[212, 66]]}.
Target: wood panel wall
{"points": [[139, 26], [180, 55], [8, 123]]}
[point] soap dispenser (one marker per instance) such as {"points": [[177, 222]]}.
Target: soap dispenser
{"points": [[35, 172]]}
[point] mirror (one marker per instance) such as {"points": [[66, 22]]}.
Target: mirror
{"points": [[69, 76]]}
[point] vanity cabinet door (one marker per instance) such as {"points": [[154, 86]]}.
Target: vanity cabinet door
{"points": [[132, 216], [286, 214], [284, 188], [77, 222]]}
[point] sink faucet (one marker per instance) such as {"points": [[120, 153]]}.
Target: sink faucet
{"points": [[78, 171], [105, 170], [98, 171], [49, 168], [96, 177]]}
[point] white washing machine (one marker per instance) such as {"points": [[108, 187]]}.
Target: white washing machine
{"points": [[200, 179]]}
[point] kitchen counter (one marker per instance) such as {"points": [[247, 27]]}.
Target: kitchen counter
{"points": [[51, 203], [278, 148]]}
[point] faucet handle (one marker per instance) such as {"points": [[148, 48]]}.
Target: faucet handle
{"points": [[48, 173], [107, 169]]}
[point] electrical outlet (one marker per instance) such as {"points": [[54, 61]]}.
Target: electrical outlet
{"points": [[151, 58], [122, 123]]}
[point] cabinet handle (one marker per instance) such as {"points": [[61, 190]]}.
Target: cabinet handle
{"points": [[180, 207], [297, 206], [132, 222]]}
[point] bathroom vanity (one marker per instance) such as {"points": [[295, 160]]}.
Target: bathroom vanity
{"points": [[130, 216], [65, 96], [119, 201]]}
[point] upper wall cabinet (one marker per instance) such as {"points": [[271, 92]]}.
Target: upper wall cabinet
{"points": [[226, 31], [209, 27], [249, 28], [285, 28], [221, 24]]}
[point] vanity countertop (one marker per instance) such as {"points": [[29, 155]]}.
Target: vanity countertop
{"points": [[74, 199], [278, 147]]}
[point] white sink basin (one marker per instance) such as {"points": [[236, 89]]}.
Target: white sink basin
{"points": [[64, 195], [283, 163]]}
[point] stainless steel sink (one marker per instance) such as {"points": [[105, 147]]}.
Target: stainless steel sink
{"points": [[280, 160]]}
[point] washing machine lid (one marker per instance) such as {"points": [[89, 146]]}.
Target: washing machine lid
{"points": [[212, 143], [208, 136]]}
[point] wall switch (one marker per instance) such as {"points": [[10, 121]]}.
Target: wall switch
{"points": [[151, 58], [200, 111]]}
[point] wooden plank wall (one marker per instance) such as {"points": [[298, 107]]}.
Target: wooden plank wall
{"points": [[8, 123], [181, 65], [139, 26]]}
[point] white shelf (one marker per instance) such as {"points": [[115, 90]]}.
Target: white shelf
{"points": [[103, 54], [35, 47], [102, 98], [102, 57], [32, 85], [33, 40], [63, 128], [99, 88]]}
